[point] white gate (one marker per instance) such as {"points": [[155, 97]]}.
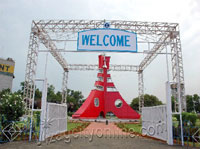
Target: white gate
{"points": [[154, 122], [57, 117], [55, 121]]}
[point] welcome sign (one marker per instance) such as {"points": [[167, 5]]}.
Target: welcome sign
{"points": [[112, 40]]}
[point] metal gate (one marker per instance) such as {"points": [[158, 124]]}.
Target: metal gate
{"points": [[55, 121], [154, 122]]}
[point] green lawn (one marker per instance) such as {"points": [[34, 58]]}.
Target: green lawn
{"points": [[71, 125], [133, 127]]}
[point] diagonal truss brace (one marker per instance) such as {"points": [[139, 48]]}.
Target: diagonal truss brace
{"points": [[46, 40]]}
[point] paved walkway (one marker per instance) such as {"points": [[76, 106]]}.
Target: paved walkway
{"points": [[100, 128]]}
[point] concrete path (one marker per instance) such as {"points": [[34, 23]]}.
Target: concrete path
{"points": [[100, 128]]}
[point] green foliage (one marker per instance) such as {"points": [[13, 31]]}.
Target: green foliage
{"points": [[76, 126], [21, 91], [71, 126], [70, 113], [193, 103], [135, 104], [192, 117], [5, 91], [187, 118], [74, 100], [128, 127], [198, 122], [37, 117], [11, 106], [173, 103], [149, 100], [38, 94], [52, 96], [135, 127]]}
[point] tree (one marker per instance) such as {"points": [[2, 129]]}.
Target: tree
{"points": [[74, 100], [38, 94], [149, 100], [193, 103], [52, 96], [135, 104]]}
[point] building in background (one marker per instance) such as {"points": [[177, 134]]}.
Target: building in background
{"points": [[6, 73]]}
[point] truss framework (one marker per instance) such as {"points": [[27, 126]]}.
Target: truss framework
{"points": [[85, 67], [55, 34], [140, 90], [64, 86]]}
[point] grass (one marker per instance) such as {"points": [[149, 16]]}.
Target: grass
{"points": [[71, 126], [135, 127], [130, 127]]}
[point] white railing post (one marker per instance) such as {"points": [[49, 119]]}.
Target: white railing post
{"points": [[169, 115]]}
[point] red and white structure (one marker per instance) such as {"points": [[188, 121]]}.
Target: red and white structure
{"points": [[105, 98]]}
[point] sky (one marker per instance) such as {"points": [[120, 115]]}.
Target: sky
{"points": [[15, 26]]}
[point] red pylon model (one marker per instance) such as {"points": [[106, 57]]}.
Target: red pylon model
{"points": [[105, 98]]}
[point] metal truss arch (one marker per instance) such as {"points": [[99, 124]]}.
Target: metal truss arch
{"points": [[54, 34]]}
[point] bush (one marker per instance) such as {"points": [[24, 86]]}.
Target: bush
{"points": [[187, 118], [189, 133], [192, 117], [12, 106], [37, 116]]}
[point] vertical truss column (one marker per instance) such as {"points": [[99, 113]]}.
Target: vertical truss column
{"points": [[177, 71], [140, 90], [31, 66], [64, 86]]}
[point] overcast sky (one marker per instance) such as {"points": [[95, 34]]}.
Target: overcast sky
{"points": [[15, 26]]}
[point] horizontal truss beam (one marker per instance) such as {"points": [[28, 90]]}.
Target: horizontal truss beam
{"points": [[73, 51], [134, 26], [86, 67]]}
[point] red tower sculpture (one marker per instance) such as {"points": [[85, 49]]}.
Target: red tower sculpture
{"points": [[105, 98]]}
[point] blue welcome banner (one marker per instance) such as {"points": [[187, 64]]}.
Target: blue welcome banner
{"points": [[111, 40]]}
